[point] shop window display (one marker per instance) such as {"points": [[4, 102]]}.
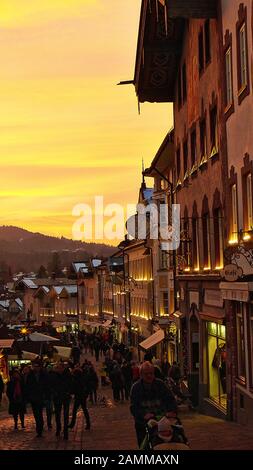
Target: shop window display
{"points": [[217, 363]]}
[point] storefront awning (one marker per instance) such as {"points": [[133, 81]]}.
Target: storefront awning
{"points": [[6, 343], [216, 317], [63, 351], [154, 339]]}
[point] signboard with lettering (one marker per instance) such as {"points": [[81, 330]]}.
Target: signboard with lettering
{"points": [[231, 273]]}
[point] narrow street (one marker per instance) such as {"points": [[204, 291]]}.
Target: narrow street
{"points": [[113, 429]]}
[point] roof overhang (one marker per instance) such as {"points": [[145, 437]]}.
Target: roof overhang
{"points": [[159, 47], [164, 158]]}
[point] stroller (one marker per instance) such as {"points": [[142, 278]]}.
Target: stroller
{"points": [[165, 433]]}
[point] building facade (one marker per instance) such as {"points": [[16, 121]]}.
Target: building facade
{"points": [[180, 60], [237, 285]]}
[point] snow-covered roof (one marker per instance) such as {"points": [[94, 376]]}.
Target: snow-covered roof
{"points": [[58, 289], [19, 302], [4, 303], [45, 288], [79, 266], [71, 289], [29, 283], [96, 262]]}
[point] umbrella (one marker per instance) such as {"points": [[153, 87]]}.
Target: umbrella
{"points": [[40, 338]]}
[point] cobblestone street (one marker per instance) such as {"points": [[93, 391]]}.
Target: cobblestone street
{"points": [[113, 429]]}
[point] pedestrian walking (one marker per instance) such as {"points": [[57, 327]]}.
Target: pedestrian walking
{"points": [[128, 378], [80, 391], [61, 392], [93, 383], [35, 393], [117, 381], [16, 395]]}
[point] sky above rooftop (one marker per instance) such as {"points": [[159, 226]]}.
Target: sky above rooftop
{"points": [[67, 132]]}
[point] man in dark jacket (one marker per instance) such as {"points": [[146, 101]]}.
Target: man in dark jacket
{"points": [[149, 397], [61, 381], [35, 392], [81, 391]]}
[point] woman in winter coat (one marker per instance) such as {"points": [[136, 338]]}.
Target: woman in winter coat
{"points": [[16, 395]]}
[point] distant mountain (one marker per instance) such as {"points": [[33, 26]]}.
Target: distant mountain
{"points": [[22, 249]]}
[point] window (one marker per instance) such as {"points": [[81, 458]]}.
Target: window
{"points": [[234, 221], [186, 244], [206, 241], [218, 238], [203, 144], [193, 147], [240, 332], [249, 202], [165, 309], [201, 51], [184, 83], [213, 131], [185, 151], [163, 259], [207, 42], [178, 163], [229, 82], [243, 56], [195, 244]]}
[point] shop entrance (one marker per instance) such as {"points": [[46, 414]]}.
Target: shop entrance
{"points": [[216, 342]]}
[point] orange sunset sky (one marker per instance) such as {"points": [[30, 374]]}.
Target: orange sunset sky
{"points": [[67, 132]]}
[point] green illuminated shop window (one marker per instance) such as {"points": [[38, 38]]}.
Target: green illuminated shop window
{"points": [[212, 328], [222, 331]]}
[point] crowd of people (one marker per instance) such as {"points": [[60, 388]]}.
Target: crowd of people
{"points": [[48, 388], [51, 388]]}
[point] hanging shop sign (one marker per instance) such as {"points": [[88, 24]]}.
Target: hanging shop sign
{"points": [[232, 272], [242, 258]]}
